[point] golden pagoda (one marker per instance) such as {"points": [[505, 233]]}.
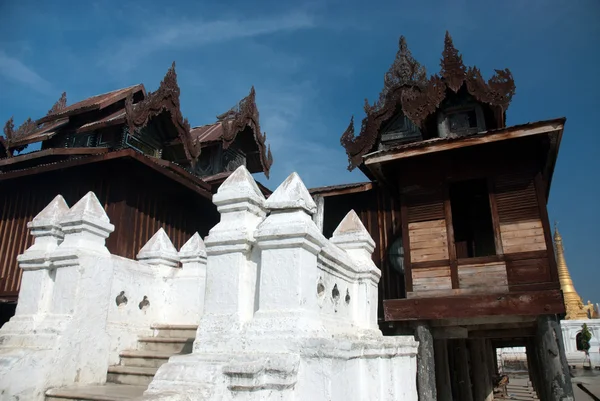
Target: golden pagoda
{"points": [[573, 302]]}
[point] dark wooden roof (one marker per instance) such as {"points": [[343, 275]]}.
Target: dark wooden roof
{"points": [[97, 102], [55, 159], [406, 85], [229, 125], [135, 107]]}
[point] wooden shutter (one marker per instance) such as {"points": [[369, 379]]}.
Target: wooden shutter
{"points": [[519, 214], [425, 205]]}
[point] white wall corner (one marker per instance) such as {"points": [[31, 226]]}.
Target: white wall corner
{"points": [[86, 227], [193, 252], [47, 233], [159, 251], [352, 236]]}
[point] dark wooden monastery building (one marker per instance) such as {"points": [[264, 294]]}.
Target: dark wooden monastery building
{"points": [[140, 156], [457, 207]]}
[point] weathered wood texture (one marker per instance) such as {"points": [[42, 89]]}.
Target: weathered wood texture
{"points": [[491, 276], [138, 204], [553, 370], [518, 212], [463, 306], [425, 363], [483, 389], [442, 370], [428, 240], [432, 279]]}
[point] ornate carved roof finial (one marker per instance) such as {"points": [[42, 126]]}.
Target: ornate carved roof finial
{"points": [[405, 70], [453, 69], [9, 128], [11, 134], [60, 104]]}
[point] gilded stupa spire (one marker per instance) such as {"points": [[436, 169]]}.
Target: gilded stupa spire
{"points": [[573, 303]]}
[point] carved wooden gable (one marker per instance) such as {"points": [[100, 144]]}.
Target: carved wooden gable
{"points": [[409, 99]]}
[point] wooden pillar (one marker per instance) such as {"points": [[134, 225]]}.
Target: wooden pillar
{"points": [[532, 365], [442, 370], [555, 380], [494, 355], [462, 377], [491, 358], [483, 389], [425, 363]]}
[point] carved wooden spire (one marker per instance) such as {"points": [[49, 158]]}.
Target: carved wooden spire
{"points": [[453, 69], [60, 104], [405, 70], [406, 86], [165, 98], [242, 115]]}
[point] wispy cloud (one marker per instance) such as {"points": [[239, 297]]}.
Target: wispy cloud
{"points": [[200, 32], [300, 140], [14, 70]]}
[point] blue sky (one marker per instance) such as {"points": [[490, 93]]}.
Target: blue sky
{"points": [[313, 64]]}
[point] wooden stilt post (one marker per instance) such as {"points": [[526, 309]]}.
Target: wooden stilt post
{"points": [[425, 363], [461, 368], [555, 380], [442, 370], [483, 389], [532, 365]]}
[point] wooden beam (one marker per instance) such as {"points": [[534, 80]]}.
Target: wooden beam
{"points": [[445, 333], [541, 198], [488, 320], [450, 238], [500, 333], [520, 303], [342, 191], [408, 281], [545, 127], [52, 152], [495, 216], [186, 179]]}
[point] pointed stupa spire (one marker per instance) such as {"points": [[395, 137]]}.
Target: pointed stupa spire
{"points": [[573, 302]]}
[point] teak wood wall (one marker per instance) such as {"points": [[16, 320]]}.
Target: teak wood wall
{"points": [[524, 259], [137, 199]]}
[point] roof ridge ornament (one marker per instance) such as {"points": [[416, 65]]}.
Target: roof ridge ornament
{"points": [[405, 85], [453, 70], [236, 119], [165, 98], [11, 135], [60, 104]]}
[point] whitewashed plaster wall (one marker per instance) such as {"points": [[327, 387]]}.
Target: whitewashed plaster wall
{"points": [[157, 290], [288, 313], [67, 314], [570, 329]]}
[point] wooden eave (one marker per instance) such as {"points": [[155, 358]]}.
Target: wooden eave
{"points": [[164, 167], [101, 102], [52, 152], [530, 303], [372, 162], [343, 189]]}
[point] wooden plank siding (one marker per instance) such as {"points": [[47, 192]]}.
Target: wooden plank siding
{"points": [[138, 204], [428, 241], [521, 226]]}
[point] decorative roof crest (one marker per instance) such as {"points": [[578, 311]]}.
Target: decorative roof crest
{"points": [[406, 85]]}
